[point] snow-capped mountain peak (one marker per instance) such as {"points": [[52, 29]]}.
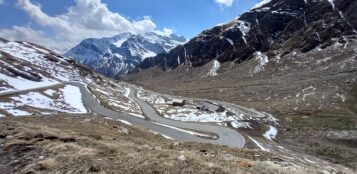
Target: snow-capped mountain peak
{"points": [[121, 53]]}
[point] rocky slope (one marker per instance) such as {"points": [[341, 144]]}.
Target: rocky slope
{"points": [[295, 59], [119, 54], [277, 27]]}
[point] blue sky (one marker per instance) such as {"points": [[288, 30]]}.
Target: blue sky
{"points": [[53, 21]]}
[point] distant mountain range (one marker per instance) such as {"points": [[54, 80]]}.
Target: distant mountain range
{"points": [[114, 56]]}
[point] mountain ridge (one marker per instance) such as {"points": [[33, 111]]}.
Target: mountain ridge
{"points": [[113, 56], [270, 26]]}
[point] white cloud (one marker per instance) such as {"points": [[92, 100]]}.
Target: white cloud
{"points": [[26, 33], [2, 2], [166, 31], [227, 3], [85, 19]]}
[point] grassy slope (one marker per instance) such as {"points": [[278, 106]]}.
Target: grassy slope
{"points": [[83, 144]]}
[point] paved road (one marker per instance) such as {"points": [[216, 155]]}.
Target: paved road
{"points": [[226, 136], [240, 109]]}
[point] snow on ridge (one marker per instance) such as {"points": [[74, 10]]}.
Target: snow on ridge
{"points": [[261, 4], [141, 51], [244, 28], [282, 12], [332, 3], [215, 67], [36, 48], [120, 42]]}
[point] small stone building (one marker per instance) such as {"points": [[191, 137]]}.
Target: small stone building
{"points": [[208, 106], [178, 102]]}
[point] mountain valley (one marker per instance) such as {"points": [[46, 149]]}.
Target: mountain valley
{"points": [[299, 66], [272, 91]]}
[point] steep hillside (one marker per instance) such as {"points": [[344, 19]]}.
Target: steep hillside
{"points": [[35, 80], [293, 59], [275, 26], [119, 54]]}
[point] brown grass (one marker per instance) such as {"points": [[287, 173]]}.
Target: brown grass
{"points": [[41, 145]]}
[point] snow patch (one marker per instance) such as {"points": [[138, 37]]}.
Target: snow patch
{"points": [[312, 162], [195, 116], [258, 144], [215, 67], [125, 122], [343, 97], [69, 102], [36, 100], [127, 92], [230, 41], [262, 61], [19, 83], [271, 133], [236, 124], [11, 108], [50, 92], [244, 28], [73, 96], [308, 91], [167, 137]]}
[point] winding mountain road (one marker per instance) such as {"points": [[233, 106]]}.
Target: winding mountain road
{"points": [[226, 136], [240, 109]]}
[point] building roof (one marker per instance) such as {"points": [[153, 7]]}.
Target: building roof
{"points": [[178, 100], [210, 106]]}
